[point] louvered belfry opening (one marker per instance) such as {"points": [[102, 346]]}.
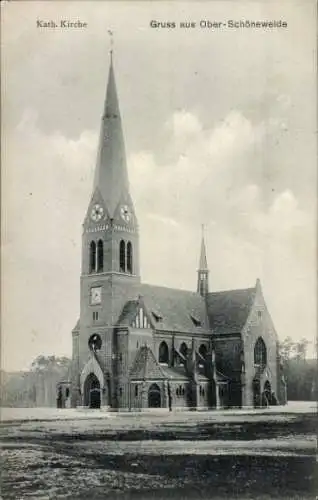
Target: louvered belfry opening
{"points": [[92, 257], [129, 258], [122, 256], [100, 256]]}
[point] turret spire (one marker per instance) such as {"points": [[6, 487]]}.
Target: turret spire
{"points": [[203, 272], [111, 35], [203, 265], [111, 177]]}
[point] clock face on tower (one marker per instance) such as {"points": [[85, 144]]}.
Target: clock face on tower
{"points": [[125, 213], [97, 212], [96, 295]]}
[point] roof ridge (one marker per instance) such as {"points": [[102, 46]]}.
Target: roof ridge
{"points": [[232, 290], [162, 287]]}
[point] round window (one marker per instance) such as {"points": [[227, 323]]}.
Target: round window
{"points": [[95, 342]]}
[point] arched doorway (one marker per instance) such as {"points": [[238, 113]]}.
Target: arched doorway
{"points": [[256, 393], [267, 394], [154, 396], [92, 392]]}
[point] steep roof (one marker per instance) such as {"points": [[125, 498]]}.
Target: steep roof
{"points": [[128, 313], [145, 365], [175, 310], [175, 373], [168, 308], [111, 177], [228, 310]]}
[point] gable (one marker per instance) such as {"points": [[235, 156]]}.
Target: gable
{"points": [[146, 366], [92, 366], [259, 324], [97, 213], [124, 214], [141, 319], [134, 315]]}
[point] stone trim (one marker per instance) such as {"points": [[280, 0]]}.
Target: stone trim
{"points": [[92, 366]]}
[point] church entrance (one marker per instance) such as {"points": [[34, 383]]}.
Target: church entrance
{"points": [[92, 392], [267, 394], [256, 393], [154, 396]]}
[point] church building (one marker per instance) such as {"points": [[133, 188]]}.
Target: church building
{"points": [[138, 346]]}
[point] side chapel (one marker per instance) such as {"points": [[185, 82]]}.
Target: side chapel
{"points": [[138, 346]]}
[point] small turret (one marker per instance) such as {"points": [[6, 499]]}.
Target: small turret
{"points": [[203, 272]]}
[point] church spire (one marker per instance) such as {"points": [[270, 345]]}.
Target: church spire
{"points": [[111, 177], [203, 272], [203, 265], [110, 229]]}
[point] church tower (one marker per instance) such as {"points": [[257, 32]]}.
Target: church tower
{"points": [[203, 272], [110, 262], [110, 236]]}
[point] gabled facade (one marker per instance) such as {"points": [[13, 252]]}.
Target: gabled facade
{"points": [[138, 346]]}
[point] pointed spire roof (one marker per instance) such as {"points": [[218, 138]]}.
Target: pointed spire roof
{"points": [[203, 264], [146, 366], [111, 177]]}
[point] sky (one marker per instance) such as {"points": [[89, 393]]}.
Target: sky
{"points": [[220, 130]]}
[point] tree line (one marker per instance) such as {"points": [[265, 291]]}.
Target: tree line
{"points": [[37, 386], [300, 373]]}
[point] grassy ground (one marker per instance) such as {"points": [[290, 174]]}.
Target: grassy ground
{"points": [[256, 456]]}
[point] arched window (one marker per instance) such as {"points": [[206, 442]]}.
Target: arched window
{"points": [[129, 258], [92, 257], [203, 351], [122, 256], [100, 256], [163, 353], [184, 352], [260, 353]]}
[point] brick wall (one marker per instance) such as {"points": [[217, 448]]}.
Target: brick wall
{"points": [[259, 324]]}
